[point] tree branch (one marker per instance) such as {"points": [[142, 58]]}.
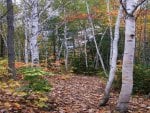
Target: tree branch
{"points": [[45, 8], [123, 6], [138, 6]]}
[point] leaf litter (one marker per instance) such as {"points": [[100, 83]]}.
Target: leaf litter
{"points": [[70, 94]]}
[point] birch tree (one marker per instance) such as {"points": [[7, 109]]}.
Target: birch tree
{"points": [[113, 60], [85, 49], [27, 30], [129, 6], [110, 30], [65, 41], [93, 34], [31, 26], [34, 32]]}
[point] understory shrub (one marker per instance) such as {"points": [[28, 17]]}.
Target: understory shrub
{"points": [[79, 66], [3, 68], [34, 78], [141, 80], [35, 85]]}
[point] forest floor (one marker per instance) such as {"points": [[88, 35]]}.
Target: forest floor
{"points": [[70, 94]]}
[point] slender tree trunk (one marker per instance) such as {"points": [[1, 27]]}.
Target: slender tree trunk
{"points": [[128, 58], [113, 61], [74, 48], [110, 30], [93, 34], [54, 47], [1, 42], [96, 56], [59, 45], [59, 51], [10, 39], [26, 56], [1, 46], [65, 42], [57, 41], [27, 28], [18, 49], [34, 33], [66, 48], [85, 50]]}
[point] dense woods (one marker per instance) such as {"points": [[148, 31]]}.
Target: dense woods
{"points": [[75, 56]]}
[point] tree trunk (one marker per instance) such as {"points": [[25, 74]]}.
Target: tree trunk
{"points": [[27, 31], [1, 46], [93, 34], [59, 51], [10, 39], [110, 30], [66, 52], [1, 42], [85, 50], [34, 33], [65, 43], [113, 61], [127, 68], [128, 59], [26, 56]]}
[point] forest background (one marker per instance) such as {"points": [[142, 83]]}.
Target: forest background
{"points": [[40, 38]]}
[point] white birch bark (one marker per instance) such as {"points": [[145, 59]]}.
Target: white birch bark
{"points": [[127, 68], [93, 34], [65, 41], [128, 58], [57, 41], [19, 50], [26, 58], [34, 33], [46, 8], [110, 30], [114, 59], [96, 56], [85, 49], [26, 28]]}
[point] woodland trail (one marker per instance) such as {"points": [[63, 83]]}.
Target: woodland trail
{"points": [[76, 94], [81, 94]]}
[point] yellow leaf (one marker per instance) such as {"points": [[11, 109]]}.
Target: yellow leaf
{"points": [[17, 105], [44, 99], [20, 93]]}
